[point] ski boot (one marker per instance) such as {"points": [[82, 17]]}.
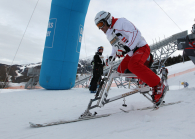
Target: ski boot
{"points": [[157, 93]]}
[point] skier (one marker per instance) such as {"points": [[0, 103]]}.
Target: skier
{"points": [[99, 63], [164, 72], [185, 84], [125, 38]]}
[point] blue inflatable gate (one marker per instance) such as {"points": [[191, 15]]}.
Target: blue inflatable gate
{"points": [[62, 44]]}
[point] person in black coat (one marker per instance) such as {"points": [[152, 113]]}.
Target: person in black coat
{"points": [[98, 61]]}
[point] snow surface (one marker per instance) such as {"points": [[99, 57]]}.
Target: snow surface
{"points": [[19, 107], [18, 74]]}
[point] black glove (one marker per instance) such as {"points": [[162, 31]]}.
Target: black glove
{"points": [[122, 50]]}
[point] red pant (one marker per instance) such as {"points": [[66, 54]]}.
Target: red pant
{"points": [[136, 65]]}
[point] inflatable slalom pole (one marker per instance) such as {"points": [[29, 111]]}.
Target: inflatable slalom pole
{"points": [[62, 44]]}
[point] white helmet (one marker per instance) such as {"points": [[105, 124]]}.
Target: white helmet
{"points": [[193, 29], [103, 16]]}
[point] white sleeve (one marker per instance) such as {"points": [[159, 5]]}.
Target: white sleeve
{"points": [[133, 34]]}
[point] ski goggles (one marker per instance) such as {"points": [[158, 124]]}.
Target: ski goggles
{"points": [[100, 24], [100, 48]]}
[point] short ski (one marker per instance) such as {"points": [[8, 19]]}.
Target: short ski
{"points": [[151, 107], [69, 121]]}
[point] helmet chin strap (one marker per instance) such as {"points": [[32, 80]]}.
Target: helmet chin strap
{"points": [[107, 16]]}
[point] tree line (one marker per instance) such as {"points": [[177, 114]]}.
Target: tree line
{"points": [[176, 59]]}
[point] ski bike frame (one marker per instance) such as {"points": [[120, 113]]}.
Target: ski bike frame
{"points": [[102, 93], [101, 98]]}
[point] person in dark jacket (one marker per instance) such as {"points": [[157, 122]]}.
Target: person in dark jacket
{"points": [[98, 61]]}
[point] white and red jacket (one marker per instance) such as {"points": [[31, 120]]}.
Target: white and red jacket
{"points": [[127, 32]]}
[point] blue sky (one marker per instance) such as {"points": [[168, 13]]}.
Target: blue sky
{"points": [[153, 23]]}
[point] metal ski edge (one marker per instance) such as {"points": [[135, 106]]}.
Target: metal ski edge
{"points": [[68, 121]]}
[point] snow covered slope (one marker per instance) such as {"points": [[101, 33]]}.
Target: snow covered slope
{"points": [[17, 73], [18, 107]]}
